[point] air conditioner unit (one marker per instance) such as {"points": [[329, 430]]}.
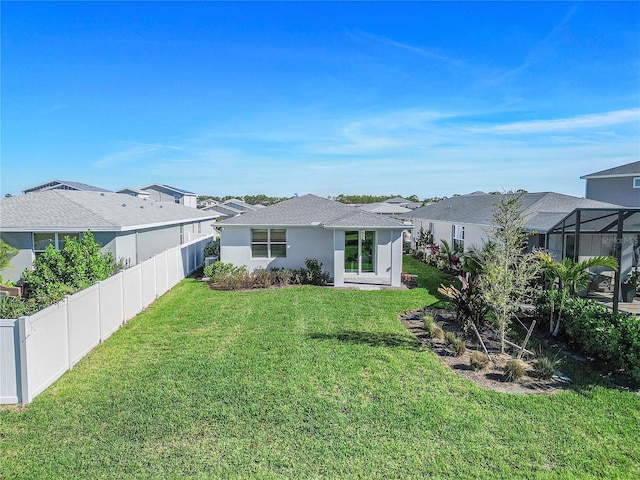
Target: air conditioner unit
{"points": [[209, 260]]}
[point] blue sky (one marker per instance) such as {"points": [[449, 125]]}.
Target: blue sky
{"points": [[424, 98]]}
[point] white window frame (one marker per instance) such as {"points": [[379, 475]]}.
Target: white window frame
{"points": [[458, 236], [636, 182], [269, 243], [58, 240]]}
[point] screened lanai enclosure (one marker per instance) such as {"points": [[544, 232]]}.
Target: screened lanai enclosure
{"points": [[589, 232]]}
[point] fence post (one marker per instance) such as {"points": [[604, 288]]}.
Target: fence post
{"points": [[99, 312], [68, 325], [21, 358]]}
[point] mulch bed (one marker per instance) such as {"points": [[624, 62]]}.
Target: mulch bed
{"points": [[492, 376]]}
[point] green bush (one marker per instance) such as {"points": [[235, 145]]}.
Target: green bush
{"points": [[595, 330], [479, 360], [212, 248], [311, 275], [545, 365], [57, 273], [218, 269], [435, 331], [457, 344], [427, 320], [513, 370]]}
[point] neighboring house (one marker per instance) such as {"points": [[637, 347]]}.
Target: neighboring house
{"points": [[134, 192], [385, 208], [63, 185], [165, 193], [231, 208], [352, 244], [222, 210], [133, 229], [465, 221], [620, 185], [241, 205], [403, 202]]}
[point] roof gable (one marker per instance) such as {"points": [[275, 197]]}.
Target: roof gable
{"points": [[627, 170], [160, 186], [63, 185]]}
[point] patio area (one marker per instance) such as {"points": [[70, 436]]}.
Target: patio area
{"points": [[607, 299]]}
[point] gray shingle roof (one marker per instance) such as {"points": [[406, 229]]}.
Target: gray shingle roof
{"points": [[628, 169], [66, 210], [58, 184], [168, 187], [384, 207], [541, 210], [311, 210]]}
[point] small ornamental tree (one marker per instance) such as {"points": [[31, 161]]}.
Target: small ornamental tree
{"points": [[507, 271]]}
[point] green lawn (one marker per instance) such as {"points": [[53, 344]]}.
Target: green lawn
{"points": [[303, 382]]}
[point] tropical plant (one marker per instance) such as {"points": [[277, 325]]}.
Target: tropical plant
{"points": [[567, 277], [6, 253], [450, 254]]}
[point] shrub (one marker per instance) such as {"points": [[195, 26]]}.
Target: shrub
{"points": [[449, 338], [459, 347], [212, 248], [218, 269], [280, 277], [435, 331], [545, 365], [11, 307], [428, 321], [261, 278], [456, 344], [57, 273], [311, 275], [595, 330], [479, 360], [513, 370]]}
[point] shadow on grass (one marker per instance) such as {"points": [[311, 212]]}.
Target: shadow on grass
{"points": [[372, 339]]}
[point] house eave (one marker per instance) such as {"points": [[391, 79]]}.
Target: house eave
{"points": [[126, 228]]}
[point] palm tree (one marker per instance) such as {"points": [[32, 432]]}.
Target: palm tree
{"points": [[569, 277]]}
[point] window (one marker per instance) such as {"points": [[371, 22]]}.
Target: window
{"points": [[177, 197], [636, 182], [458, 237], [268, 243], [42, 240]]}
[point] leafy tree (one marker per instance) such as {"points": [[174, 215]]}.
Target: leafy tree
{"points": [[507, 272], [567, 277]]}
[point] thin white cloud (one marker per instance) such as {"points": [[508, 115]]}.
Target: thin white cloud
{"points": [[583, 122], [420, 51], [132, 154]]}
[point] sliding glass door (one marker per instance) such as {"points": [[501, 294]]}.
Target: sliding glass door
{"points": [[359, 251]]}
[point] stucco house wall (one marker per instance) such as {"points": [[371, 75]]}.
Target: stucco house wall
{"points": [[302, 243], [474, 235], [325, 245], [618, 190]]}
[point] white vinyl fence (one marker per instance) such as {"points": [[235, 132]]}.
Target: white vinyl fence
{"points": [[36, 350]]}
